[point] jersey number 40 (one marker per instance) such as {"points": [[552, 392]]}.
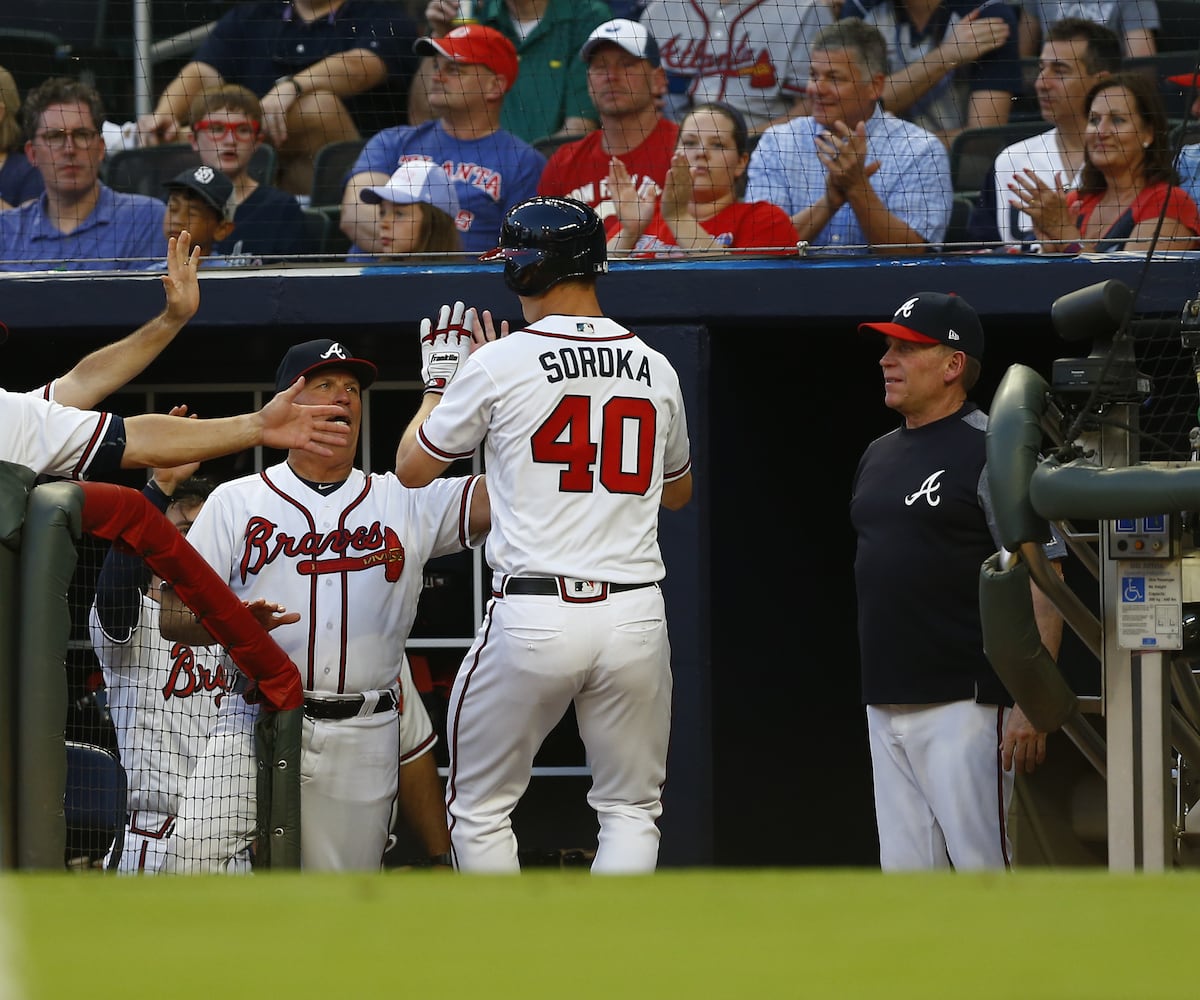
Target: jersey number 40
{"points": [[626, 446]]}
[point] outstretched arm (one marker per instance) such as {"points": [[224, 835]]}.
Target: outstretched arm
{"points": [[106, 370], [153, 439]]}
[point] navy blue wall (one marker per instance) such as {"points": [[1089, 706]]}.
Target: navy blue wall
{"points": [[769, 762]]}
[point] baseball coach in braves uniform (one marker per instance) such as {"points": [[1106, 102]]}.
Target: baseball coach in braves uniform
{"points": [[944, 732], [347, 550], [584, 437]]}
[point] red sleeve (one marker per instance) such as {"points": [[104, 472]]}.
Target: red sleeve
{"points": [[1180, 206]]}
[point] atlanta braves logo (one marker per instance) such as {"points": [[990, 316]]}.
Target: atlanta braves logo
{"points": [[379, 545], [189, 677], [335, 350], [929, 490], [906, 309]]}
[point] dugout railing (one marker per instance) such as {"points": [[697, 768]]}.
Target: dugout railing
{"points": [[41, 527]]}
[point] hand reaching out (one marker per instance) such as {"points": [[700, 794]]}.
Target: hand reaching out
{"points": [[168, 479], [181, 282]]}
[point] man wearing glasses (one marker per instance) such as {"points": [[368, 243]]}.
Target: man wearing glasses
{"points": [[226, 130], [78, 223]]}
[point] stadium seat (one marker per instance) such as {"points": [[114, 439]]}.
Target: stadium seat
{"points": [[146, 169], [974, 150], [330, 166], [33, 56], [1179, 29], [95, 803]]}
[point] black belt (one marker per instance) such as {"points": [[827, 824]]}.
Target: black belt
{"points": [[551, 586], [346, 708]]}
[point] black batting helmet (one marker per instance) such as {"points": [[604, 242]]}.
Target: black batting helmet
{"points": [[544, 240]]}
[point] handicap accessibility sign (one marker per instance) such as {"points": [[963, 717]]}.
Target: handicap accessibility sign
{"points": [[1149, 604]]}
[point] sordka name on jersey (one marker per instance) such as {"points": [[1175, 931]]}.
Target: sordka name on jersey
{"points": [[594, 362]]}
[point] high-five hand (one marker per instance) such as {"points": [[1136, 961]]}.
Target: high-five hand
{"points": [[445, 347]]}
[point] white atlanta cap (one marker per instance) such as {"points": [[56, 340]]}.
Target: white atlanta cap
{"points": [[415, 181], [631, 36]]}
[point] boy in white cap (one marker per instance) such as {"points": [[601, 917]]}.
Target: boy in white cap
{"points": [[417, 209]]}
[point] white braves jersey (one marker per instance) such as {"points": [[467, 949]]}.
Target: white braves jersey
{"points": [[582, 424], [350, 562], [752, 54], [1040, 154], [48, 438], [163, 697]]}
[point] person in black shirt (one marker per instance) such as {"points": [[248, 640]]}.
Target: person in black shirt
{"points": [[945, 735]]}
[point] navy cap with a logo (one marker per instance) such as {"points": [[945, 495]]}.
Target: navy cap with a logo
{"points": [[935, 318], [313, 355]]}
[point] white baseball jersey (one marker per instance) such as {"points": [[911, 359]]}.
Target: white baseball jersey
{"points": [[48, 438], [752, 54], [582, 424], [163, 697], [1039, 153], [351, 562]]}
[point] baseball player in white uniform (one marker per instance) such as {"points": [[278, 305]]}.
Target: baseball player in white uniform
{"points": [[162, 695], [751, 54], [43, 431], [347, 550], [584, 437]]}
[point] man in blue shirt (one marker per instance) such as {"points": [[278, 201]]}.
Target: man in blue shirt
{"points": [[474, 68], [851, 176], [77, 223]]}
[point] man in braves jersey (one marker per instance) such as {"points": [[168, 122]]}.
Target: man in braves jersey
{"points": [[752, 54], [162, 695], [474, 67], [584, 437], [44, 431], [944, 732], [626, 83], [347, 549]]}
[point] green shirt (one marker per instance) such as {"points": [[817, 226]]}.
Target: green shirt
{"points": [[552, 83]]}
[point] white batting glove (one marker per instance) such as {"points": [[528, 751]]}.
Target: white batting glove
{"points": [[445, 347]]}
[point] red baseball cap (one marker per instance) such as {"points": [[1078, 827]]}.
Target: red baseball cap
{"points": [[1186, 79], [475, 44]]}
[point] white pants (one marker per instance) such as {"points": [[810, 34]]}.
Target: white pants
{"points": [[348, 779], [941, 794], [147, 837], [532, 658]]}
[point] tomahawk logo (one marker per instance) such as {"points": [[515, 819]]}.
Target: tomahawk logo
{"points": [[929, 490], [906, 309], [335, 351]]}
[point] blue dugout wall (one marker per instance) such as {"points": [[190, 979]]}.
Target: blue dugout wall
{"points": [[769, 762]]}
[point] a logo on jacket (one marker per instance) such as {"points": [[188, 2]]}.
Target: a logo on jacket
{"points": [[929, 490]]}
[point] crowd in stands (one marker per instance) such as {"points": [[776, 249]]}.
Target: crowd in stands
{"points": [[689, 125]]}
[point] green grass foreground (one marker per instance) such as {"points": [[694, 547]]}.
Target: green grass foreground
{"points": [[690, 934]]}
